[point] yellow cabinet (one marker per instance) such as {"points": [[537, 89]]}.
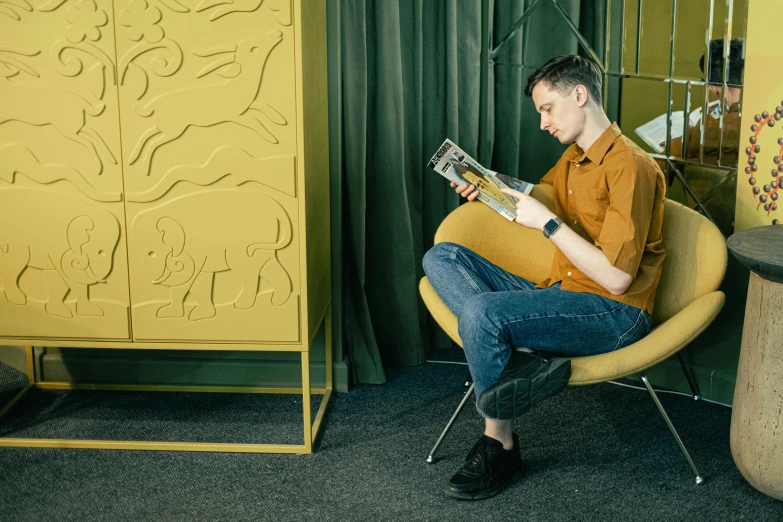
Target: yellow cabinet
{"points": [[63, 258], [163, 173]]}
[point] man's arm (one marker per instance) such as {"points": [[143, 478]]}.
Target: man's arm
{"points": [[588, 258], [613, 260]]}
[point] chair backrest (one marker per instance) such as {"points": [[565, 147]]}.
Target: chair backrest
{"points": [[695, 263]]}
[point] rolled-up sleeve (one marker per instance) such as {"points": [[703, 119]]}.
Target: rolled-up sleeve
{"points": [[629, 214]]}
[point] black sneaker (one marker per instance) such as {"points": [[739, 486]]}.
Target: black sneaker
{"points": [[487, 469], [527, 379]]}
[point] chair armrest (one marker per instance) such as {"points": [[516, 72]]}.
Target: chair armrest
{"points": [[662, 342]]}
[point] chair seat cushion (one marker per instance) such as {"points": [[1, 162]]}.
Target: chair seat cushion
{"points": [[662, 342]]}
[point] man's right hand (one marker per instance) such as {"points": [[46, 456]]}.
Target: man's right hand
{"points": [[466, 191]]}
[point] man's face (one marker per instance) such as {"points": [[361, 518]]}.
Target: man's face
{"points": [[561, 115]]}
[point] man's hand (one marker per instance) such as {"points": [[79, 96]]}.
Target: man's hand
{"points": [[531, 213], [466, 191]]}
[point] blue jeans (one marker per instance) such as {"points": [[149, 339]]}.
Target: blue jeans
{"points": [[499, 311]]}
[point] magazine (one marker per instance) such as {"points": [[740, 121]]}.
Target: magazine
{"points": [[456, 165]]}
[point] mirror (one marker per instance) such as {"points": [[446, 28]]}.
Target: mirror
{"points": [[687, 82], [667, 83]]}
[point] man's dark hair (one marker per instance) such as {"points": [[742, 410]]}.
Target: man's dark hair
{"points": [[563, 73], [736, 62]]}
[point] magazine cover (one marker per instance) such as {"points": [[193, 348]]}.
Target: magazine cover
{"points": [[455, 165]]}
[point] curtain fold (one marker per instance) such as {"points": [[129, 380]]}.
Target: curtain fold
{"points": [[410, 79], [520, 149]]}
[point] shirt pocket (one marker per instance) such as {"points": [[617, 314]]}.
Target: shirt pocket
{"points": [[593, 202]]}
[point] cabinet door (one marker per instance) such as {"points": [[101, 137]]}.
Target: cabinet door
{"points": [[63, 271], [208, 126]]}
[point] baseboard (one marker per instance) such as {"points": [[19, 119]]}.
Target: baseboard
{"points": [[152, 367], [149, 366]]}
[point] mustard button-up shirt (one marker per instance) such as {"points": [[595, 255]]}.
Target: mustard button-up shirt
{"points": [[612, 195]]}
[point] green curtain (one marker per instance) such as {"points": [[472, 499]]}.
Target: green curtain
{"points": [[410, 77], [519, 147]]}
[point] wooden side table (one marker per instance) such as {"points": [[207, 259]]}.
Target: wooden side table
{"points": [[757, 415]]}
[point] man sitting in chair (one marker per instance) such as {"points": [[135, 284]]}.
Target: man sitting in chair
{"points": [[609, 197]]}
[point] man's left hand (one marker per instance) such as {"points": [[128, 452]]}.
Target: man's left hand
{"points": [[531, 213]]}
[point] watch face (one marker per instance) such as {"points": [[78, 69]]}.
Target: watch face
{"points": [[551, 226]]}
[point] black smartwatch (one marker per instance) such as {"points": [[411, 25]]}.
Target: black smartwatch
{"points": [[551, 226]]}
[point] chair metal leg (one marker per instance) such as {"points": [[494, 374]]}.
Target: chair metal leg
{"points": [[699, 478], [694, 390], [430, 459]]}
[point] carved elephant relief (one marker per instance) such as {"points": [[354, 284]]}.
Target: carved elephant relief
{"points": [[72, 242], [184, 242]]}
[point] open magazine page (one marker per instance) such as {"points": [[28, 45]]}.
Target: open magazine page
{"points": [[455, 165]]}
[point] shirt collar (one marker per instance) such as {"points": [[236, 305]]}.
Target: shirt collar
{"points": [[599, 148]]}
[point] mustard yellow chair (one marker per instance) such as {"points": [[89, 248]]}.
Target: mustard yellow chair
{"points": [[687, 301]]}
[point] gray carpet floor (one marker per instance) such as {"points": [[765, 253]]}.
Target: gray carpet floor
{"points": [[593, 453]]}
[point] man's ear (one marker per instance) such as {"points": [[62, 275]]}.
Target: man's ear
{"points": [[581, 95]]}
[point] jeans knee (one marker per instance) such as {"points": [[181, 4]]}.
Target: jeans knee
{"points": [[436, 256], [473, 318]]}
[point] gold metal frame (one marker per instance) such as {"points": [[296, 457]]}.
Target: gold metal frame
{"points": [[310, 430]]}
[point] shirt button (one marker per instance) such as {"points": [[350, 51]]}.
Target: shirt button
{"points": [[570, 192], [578, 164], [575, 222], [569, 273]]}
